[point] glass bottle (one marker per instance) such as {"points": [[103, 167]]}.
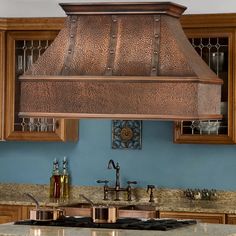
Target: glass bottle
{"points": [[55, 181], [65, 180]]}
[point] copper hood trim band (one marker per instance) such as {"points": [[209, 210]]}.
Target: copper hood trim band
{"points": [[118, 116], [119, 8], [124, 79]]}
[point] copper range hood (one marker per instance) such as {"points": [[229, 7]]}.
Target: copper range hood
{"points": [[121, 61]]}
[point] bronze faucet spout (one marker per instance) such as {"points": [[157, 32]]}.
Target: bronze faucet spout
{"points": [[111, 164]]}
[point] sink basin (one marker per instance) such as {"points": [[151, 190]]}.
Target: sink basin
{"points": [[138, 208], [137, 211], [78, 209], [79, 205], [133, 211]]}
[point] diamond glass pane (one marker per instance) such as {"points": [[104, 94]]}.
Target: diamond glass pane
{"points": [[214, 51], [26, 53]]}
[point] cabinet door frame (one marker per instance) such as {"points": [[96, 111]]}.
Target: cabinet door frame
{"points": [[10, 134], [2, 83], [231, 219], [215, 218], [214, 139], [9, 213]]}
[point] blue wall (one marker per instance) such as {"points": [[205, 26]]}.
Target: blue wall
{"points": [[160, 162]]}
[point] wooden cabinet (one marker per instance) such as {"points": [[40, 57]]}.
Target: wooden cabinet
{"points": [[213, 37], [9, 213], [22, 41], [231, 219], [202, 217]]}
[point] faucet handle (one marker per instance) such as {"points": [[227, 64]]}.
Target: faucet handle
{"points": [[129, 189], [131, 182], [105, 182], [151, 187]]}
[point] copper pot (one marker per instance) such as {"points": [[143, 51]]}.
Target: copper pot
{"points": [[43, 213], [102, 214], [46, 214]]}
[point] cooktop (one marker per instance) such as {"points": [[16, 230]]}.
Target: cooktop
{"points": [[122, 223]]}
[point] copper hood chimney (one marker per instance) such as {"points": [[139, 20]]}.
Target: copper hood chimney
{"points": [[121, 60]]}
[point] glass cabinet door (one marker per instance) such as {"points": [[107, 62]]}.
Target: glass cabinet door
{"points": [[216, 50], [23, 49]]}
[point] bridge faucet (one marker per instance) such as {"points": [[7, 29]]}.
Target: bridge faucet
{"points": [[111, 165], [117, 188]]}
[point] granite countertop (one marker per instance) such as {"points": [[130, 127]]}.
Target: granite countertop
{"points": [[165, 199], [196, 230]]}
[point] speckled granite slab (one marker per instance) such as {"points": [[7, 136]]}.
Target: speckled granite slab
{"points": [[165, 199], [196, 230]]}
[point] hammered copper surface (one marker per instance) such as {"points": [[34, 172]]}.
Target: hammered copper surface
{"points": [[127, 44], [107, 99], [52, 63]]}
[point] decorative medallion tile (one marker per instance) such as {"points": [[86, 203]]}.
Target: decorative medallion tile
{"points": [[126, 134]]}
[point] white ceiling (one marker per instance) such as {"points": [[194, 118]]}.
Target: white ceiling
{"points": [[50, 8]]}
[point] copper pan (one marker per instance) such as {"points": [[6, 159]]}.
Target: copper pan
{"points": [[44, 213]]}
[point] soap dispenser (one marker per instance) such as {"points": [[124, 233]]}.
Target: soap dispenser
{"points": [[65, 180], [55, 181]]}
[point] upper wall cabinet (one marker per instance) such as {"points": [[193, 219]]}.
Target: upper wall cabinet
{"points": [[22, 42], [213, 37]]}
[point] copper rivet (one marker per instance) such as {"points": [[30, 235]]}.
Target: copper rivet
{"points": [[113, 36], [155, 52], [69, 51], [111, 51], [72, 36], [109, 68], [73, 20], [114, 20], [153, 68], [157, 19], [156, 35], [66, 67]]}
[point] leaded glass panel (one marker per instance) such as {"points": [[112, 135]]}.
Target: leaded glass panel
{"points": [[214, 51], [26, 53]]}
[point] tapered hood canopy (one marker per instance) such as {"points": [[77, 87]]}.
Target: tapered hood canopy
{"points": [[121, 61]]}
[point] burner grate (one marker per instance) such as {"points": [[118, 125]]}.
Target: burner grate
{"points": [[123, 223]]}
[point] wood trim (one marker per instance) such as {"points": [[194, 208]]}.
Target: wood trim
{"points": [[2, 82], [208, 20], [233, 85], [214, 139], [9, 213], [55, 23], [216, 218], [231, 219]]}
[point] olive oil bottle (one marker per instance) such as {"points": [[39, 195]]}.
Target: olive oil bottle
{"points": [[55, 183], [65, 180]]}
